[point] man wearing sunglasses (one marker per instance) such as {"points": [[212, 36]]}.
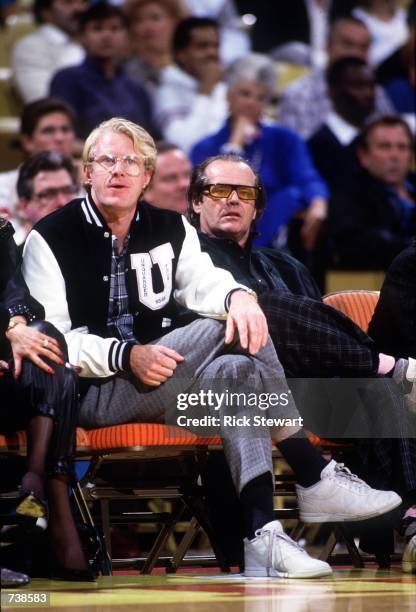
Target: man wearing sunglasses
{"points": [[46, 181], [312, 339]]}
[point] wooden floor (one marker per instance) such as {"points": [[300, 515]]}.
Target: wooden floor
{"points": [[346, 591]]}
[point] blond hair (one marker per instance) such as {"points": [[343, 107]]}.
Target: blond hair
{"points": [[144, 144]]}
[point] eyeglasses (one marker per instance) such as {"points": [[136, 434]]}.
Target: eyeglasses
{"points": [[130, 164], [48, 195], [223, 190]]}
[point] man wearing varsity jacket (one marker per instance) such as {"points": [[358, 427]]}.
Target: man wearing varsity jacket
{"points": [[109, 272]]}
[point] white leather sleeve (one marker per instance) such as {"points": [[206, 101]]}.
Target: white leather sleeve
{"points": [[46, 283], [200, 286]]}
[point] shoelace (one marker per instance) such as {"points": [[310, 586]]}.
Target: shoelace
{"points": [[275, 535], [351, 479]]}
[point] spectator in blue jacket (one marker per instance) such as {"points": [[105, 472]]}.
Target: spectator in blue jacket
{"points": [[292, 184]]}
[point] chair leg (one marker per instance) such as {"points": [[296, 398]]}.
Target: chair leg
{"points": [[184, 545], [342, 534], [297, 531], [196, 505], [161, 539], [105, 522], [104, 559], [328, 548]]}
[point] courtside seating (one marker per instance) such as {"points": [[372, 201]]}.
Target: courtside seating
{"points": [[149, 442]]}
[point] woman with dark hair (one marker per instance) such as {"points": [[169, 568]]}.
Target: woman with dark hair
{"points": [[39, 393]]}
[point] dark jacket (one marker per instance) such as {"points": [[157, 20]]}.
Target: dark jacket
{"points": [[14, 294], [335, 162], [393, 326], [260, 269], [367, 224], [284, 21]]}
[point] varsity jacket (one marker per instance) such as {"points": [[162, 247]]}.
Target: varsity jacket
{"points": [[67, 266]]}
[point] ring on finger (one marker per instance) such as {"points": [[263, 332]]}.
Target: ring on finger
{"points": [[45, 343]]}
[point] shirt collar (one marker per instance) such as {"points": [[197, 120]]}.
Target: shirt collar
{"points": [[345, 132], [93, 215]]}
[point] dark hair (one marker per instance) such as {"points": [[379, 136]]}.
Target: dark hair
{"points": [[182, 34], [162, 146], [34, 111], [344, 19], [199, 181], [38, 7], [336, 71], [383, 121], [101, 11], [45, 161]]}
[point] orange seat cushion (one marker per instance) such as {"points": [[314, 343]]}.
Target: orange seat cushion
{"points": [[17, 441], [144, 434], [358, 305]]}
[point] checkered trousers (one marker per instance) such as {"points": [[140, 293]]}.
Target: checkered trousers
{"points": [[313, 339]]}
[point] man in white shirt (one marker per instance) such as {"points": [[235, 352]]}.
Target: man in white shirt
{"points": [[37, 56], [191, 100]]}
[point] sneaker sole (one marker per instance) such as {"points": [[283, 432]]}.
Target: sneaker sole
{"points": [[338, 518], [409, 558], [272, 573]]}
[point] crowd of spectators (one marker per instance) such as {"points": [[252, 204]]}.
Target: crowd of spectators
{"points": [[184, 71]]}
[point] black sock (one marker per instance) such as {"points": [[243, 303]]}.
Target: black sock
{"points": [[257, 503], [306, 462]]}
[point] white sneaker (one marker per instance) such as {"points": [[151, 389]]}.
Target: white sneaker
{"points": [[273, 553], [341, 496], [409, 557]]}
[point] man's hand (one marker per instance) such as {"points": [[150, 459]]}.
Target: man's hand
{"points": [[28, 343], [243, 131], [247, 317], [153, 363], [315, 215]]}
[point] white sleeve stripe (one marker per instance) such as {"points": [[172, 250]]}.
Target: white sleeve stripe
{"points": [[119, 355], [115, 355], [111, 359]]}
